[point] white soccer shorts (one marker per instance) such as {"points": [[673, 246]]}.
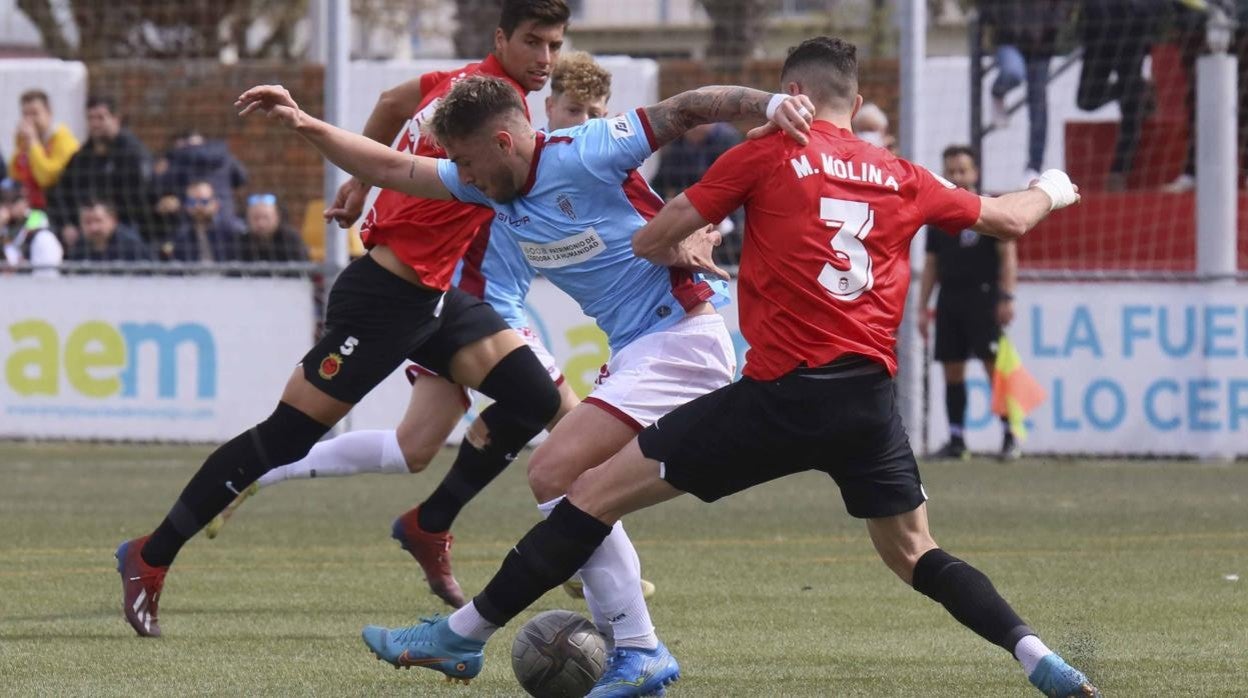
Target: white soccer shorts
{"points": [[663, 370]]}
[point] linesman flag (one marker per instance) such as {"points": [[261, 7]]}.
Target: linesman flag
{"points": [[1015, 392]]}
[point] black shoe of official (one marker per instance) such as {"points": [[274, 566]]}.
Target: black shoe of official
{"points": [[1010, 449], [954, 450]]}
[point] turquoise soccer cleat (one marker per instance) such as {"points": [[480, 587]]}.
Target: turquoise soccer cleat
{"points": [[637, 672], [1057, 679], [430, 644]]}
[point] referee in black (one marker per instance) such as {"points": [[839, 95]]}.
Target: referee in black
{"points": [[977, 277]]}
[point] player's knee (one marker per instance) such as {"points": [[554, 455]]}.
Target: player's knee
{"points": [[902, 555], [520, 383], [955, 372], [549, 475], [589, 493], [286, 435], [418, 451]]}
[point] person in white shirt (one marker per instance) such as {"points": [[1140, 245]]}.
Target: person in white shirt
{"points": [[28, 239]]}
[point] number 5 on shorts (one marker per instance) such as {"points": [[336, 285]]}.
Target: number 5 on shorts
{"points": [[849, 274]]}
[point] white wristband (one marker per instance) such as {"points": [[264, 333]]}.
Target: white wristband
{"points": [[1058, 186], [776, 100]]}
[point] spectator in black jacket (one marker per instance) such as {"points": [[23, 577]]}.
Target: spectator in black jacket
{"points": [[193, 158], [1025, 35], [206, 233], [104, 238], [269, 238], [113, 166], [1117, 35]]}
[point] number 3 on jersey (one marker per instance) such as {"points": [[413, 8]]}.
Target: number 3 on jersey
{"points": [[849, 274]]}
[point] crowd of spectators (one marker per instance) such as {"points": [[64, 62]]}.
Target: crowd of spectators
{"points": [[108, 200], [1115, 39]]}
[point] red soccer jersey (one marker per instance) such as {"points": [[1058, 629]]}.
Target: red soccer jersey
{"points": [[826, 260], [429, 235]]}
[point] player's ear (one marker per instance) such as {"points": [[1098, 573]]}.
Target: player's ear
{"points": [[505, 141]]}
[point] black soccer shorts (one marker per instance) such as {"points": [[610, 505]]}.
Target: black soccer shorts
{"points": [[375, 320], [966, 325], [840, 419]]}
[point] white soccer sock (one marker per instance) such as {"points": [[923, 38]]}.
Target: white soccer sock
{"points": [[612, 577], [600, 619], [353, 453], [1029, 651], [595, 608], [467, 622]]}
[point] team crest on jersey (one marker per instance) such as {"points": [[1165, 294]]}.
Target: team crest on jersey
{"points": [[621, 127], [330, 366], [564, 202]]}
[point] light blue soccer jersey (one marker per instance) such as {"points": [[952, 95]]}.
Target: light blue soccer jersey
{"points": [[574, 222], [495, 270]]}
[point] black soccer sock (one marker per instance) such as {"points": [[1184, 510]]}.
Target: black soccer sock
{"points": [[475, 468], [285, 437], [548, 555], [955, 407], [969, 597]]}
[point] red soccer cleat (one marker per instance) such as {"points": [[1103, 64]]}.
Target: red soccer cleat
{"points": [[140, 588], [433, 552]]}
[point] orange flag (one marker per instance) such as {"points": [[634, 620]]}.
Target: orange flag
{"points": [[1015, 392]]}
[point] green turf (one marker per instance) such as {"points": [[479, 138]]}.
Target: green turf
{"points": [[1123, 567]]}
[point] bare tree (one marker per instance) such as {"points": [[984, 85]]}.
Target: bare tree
{"points": [[162, 29], [737, 28], [41, 14]]}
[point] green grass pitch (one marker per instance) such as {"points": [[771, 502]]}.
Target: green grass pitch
{"points": [[1137, 572]]}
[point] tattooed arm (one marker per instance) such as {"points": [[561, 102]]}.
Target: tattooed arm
{"points": [[369, 160], [672, 117]]}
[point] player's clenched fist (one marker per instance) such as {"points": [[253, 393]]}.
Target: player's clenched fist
{"points": [[274, 101], [1062, 192]]}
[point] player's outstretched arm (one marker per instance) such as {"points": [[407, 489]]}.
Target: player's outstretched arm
{"points": [[370, 161], [672, 117], [1009, 216]]}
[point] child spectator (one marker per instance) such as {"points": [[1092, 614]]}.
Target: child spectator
{"points": [[27, 238]]}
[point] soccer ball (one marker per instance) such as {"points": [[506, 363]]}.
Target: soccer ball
{"points": [[558, 654]]}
